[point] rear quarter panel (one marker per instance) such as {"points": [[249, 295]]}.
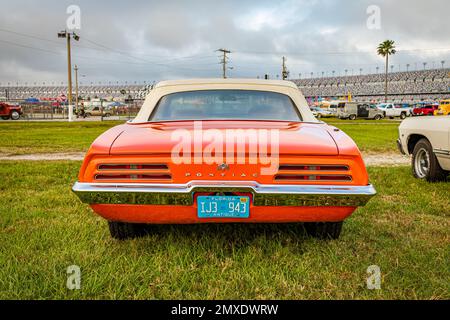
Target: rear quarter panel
{"points": [[100, 146], [435, 129]]}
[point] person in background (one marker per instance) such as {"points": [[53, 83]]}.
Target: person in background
{"points": [[82, 113]]}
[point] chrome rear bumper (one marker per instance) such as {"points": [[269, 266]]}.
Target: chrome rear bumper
{"points": [[263, 195]]}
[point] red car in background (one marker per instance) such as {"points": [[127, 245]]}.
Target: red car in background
{"points": [[8, 111], [425, 109]]}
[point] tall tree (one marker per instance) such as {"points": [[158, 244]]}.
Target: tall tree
{"points": [[385, 49]]}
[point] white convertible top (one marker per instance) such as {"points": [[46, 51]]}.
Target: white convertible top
{"points": [[221, 81], [172, 86]]}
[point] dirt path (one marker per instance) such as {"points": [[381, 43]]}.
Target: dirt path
{"points": [[381, 159], [44, 156], [386, 159]]}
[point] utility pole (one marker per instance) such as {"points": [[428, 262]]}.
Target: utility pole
{"points": [[67, 35], [224, 61], [284, 71], [76, 87]]}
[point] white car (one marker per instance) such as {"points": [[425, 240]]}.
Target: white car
{"points": [[428, 141], [321, 113], [390, 110]]}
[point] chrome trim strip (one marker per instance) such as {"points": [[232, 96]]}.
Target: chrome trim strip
{"points": [[441, 152], [263, 195]]}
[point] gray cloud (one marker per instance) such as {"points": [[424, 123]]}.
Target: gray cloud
{"points": [[152, 40]]}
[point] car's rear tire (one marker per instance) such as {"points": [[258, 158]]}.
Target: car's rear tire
{"points": [[425, 164], [5, 117], [403, 115], [352, 117], [125, 230], [378, 117], [324, 230]]}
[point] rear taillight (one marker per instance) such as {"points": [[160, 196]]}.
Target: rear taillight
{"points": [[133, 171], [287, 177], [133, 177], [313, 172], [133, 167], [309, 167]]}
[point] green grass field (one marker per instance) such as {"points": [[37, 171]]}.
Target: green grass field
{"points": [[405, 230], [371, 136], [51, 137]]}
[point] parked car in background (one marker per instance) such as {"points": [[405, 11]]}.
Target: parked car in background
{"points": [[443, 109], [427, 140], [334, 106], [9, 111], [405, 106], [364, 110], [97, 111], [145, 172], [390, 110], [425, 109], [321, 113]]}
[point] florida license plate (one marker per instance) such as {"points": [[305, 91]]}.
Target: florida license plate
{"points": [[223, 207]]}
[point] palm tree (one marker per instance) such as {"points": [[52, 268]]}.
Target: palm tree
{"points": [[385, 49]]}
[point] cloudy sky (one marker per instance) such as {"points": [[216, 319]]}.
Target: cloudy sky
{"points": [[152, 40]]}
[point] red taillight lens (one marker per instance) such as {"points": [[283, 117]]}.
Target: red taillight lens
{"points": [[133, 177], [310, 167], [133, 167], [288, 177], [132, 171]]}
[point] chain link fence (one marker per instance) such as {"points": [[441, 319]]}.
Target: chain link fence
{"points": [[48, 110]]}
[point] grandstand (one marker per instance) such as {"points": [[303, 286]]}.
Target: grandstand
{"points": [[109, 92], [403, 86]]}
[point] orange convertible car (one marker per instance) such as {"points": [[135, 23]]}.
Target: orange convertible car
{"points": [[224, 151]]}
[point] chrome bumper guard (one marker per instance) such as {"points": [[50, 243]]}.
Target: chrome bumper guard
{"points": [[400, 147], [263, 195]]}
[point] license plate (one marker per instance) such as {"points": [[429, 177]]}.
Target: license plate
{"points": [[223, 207]]}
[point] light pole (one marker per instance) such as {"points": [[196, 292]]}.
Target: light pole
{"points": [[76, 88], [67, 35], [284, 71]]}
